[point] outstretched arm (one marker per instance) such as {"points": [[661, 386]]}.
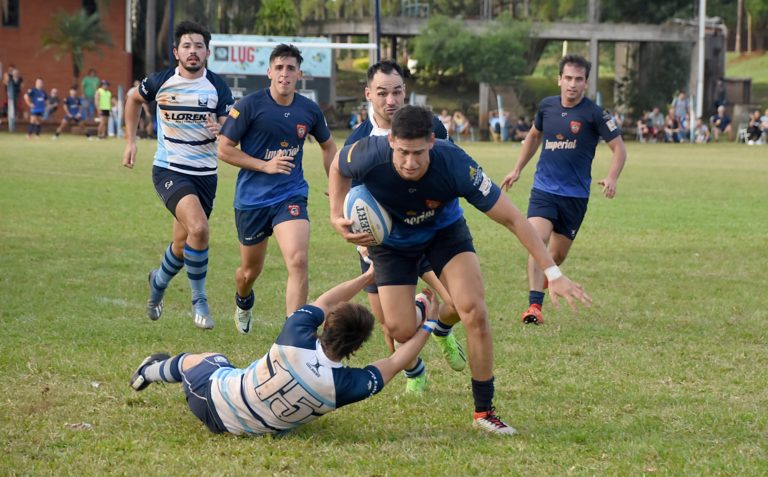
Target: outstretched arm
{"points": [[506, 214], [617, 164], [408, 351], [530, 146], [343, 292]]}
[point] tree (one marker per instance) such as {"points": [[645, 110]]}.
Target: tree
{"points": [[758, 9], [75, 35], [277, 17]]}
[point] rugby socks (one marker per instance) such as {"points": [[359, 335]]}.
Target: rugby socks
{"points": [[196, 262], [38, 129], [167, 370], [442, 329], [170, 266], [482, 392], [245, 303], [417, 370], [536, 298], [30, 129]]}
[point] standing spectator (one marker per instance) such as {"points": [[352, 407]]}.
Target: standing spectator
{"points": [[721, 124], [447, 120], [570, 127], [103, 101], [701, 133], [13, 82], [194, 102], [271, 125], [90, 84], [461, 126], [36, 99], [52, 105], [73, 111], [680, 106]]}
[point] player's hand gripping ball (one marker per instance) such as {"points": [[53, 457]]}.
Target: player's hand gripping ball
{"points": [[367, 214]]}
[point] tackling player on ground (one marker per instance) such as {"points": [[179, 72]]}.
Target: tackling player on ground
{"points": [[570, 126], [192, 103], [418, 180]]}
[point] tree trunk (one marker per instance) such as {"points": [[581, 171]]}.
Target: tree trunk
{"points": [[739, 19]]}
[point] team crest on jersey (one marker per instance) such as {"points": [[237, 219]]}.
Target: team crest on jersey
{"points": [[294, 210], [432, 204], [301, 130], [575, 127], [234, 113], [559, 137], [202, 100]]}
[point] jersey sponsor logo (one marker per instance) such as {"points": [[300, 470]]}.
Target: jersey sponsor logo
{"points": [[220, 359], [476, 174], [291, 152], [202, 100], [411, 190], [168, 185], [301, 130], [234, 113], [417, 219], [485, 186], [432, 204], [185, 117], [144, 86], [611, 125], [294, 210], [575, 127], [558, 145]]}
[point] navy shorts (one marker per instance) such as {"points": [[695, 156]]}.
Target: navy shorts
{"points": [[565, 213], [401, 267], [256, 225], [197, 389], [171, 186], [424, 267]]}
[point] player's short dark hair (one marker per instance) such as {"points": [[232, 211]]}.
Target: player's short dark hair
{"points": [[188, 27], [346, 328], [286, 51], [385, 66], [412, 122], [576, 60]]}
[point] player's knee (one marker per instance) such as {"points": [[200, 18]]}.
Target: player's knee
{"points": [[198, 231], [400, 332], [298, 262], [474, 316]]}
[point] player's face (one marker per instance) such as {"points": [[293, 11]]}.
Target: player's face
{"points": [[386, 93], [191, 52], [572, 83], [284, 73], [411, 156]]}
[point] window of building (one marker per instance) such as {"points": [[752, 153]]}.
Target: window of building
{"points": [[10, 12]]}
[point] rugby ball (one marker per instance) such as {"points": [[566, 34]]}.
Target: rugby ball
{"points": [[367, 214]]}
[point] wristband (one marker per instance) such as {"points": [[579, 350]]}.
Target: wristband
{"points": [[426, 328], [553, 273], [429, 326]]}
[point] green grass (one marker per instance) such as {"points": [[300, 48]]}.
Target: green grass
{"points": [[665, 375], [753, 66]]}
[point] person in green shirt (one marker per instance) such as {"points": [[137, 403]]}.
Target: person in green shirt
{"points": [[90, 84], [103, 101]]}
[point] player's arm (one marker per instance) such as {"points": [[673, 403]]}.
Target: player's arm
{"points": [[407, 352], [338, 186], [329, 152], [231, 154], [133, 104], [343, 292], [28, 99], [617, 164], [530, 146], [505, 213]]}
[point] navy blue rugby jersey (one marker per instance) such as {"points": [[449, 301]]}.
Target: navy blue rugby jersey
{"points": [[183, 107], [38, 97], [294, 383], [569, 140], [419, 208], [370, 128], [265, 129]]}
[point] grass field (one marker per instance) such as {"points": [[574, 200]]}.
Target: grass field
{"points": [[665, 375]]}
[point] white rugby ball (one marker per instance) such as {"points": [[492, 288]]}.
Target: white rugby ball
{"points": [[367, 214]]}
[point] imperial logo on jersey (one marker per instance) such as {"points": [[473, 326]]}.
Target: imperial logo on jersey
{"points": [[292, 152], [559, 145]]}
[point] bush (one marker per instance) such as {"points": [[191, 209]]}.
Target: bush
{"points": [[361, 63]]}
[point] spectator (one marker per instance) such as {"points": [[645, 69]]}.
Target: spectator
{"points": [[720, 94], [671, 127], [618, 118], [721, 123], [103, 99], [14, 79], [521, 128], [764, 124], [447, 120], [680, 105], [461, 127], [754, 133], [701, 133], [494, 124], [53, 104], [685, 127], [90, 85], [657, 125]]}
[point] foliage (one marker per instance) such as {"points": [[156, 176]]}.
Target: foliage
{"points": [[277, 17], [75, 34], [759, 11], [644, 11], [664, 376], [446, 47], [650, 88]]}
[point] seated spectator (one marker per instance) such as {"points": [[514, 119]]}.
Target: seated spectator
{"points": [[671, 127], [764, 124], [644, 126], [521, 129], [461, 127], [657, 125], [754, 133], [701, 133], [447, 120], [52, 105], [721, 124], [685, 127]]}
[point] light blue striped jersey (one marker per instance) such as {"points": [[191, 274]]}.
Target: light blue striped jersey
{"points": [[293, 384], [183, 107]]}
